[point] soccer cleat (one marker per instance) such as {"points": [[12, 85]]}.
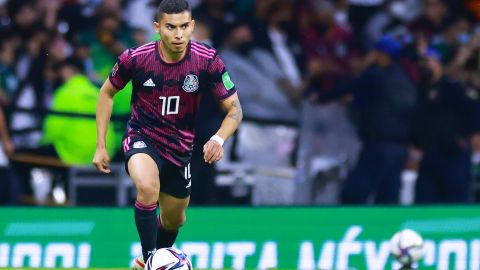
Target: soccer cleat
{"points": [[138, 263]]}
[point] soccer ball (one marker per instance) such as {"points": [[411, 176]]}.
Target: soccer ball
{"points": [[406, 246], [168, 259]]}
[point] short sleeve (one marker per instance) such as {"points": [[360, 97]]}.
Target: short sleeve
{"points": [[221, 85], [121, 72]]}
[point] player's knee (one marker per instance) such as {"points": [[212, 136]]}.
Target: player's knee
{"points": [[174, 223], [147, 191]]}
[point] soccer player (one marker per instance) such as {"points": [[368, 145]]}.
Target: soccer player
{"points": [[168, 78]]}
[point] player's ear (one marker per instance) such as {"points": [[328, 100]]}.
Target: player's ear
{"points": [[156, 27]]}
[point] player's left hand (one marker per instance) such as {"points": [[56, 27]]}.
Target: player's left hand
{"points": [[212, 152]]}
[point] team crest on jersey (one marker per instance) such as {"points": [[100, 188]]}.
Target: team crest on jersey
{"points": [[191, 83]]}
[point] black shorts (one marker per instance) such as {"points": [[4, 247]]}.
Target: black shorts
{"points": [[174, 180]]}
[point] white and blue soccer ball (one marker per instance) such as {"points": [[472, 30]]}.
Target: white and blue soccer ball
{"points": [[168, 259], [406, 246]]}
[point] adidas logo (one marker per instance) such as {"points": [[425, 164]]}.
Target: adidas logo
{"points": [[149, 82]]}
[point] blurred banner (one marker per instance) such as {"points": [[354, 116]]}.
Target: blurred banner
{"points": [[240, 238]]}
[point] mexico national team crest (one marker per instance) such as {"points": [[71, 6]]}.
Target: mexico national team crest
{"points": [[191, 83]]}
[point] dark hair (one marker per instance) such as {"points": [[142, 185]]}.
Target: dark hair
{"points": [[72, 62], [172, 7]]}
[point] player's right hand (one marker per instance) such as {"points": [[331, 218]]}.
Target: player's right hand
{"points": [[101, 160]]}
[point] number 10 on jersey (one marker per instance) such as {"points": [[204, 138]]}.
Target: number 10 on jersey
{"points": [[170, 104]]}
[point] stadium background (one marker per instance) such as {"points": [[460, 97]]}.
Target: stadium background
{"points": [[274, 201]]}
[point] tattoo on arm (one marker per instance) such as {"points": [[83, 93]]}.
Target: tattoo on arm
{"points": [[236, 114]]}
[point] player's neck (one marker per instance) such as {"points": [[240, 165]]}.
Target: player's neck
{"points": [[170, 57]]}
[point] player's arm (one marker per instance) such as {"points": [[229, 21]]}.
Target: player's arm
{"points": [[213, 149], [101, 159]]}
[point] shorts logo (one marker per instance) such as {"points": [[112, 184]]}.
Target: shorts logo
{"points": [[139, 144], [191, 83], [188, 176]]}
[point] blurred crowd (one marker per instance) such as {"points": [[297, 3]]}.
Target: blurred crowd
{"points": [[381, 88]]}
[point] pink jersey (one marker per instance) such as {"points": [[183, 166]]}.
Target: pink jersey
{"points": [[166, 96]]}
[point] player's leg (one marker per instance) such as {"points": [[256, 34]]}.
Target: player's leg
{"points": [[172, 217], [145, 174]]}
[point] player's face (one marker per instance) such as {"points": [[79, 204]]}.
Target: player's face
{"points": [[175, 31]]}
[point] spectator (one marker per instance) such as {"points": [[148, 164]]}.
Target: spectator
{"points": [[24, 18], [262, 94], [392, 20], [283, 47], [445, 122], [218, 14], [74, 139], [203, 31], [385, 99], [434, 20], [329, 48]]}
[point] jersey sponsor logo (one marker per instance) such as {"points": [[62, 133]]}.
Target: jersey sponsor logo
{"points": [[227, 82], [149, 83], [191, 83], [139, 144]]}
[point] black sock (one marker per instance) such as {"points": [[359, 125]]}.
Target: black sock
{"points": [[165, 238], [147, 223]]}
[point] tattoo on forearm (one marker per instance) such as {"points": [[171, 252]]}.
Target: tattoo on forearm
{"points": [[237, 113]]}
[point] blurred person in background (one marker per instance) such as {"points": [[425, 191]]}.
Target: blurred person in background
{"points": [[263, 96], [385, 100], [108, 39], [436, 17], [258, 22], [169, 76], [25, 19], [326, 132], [329, 48], [74, 137], [203, 31], [147, 10], [463, 51], [285, 50], [36, 86], [444, 124], [218, 13], [360, 11], [392, 20]]}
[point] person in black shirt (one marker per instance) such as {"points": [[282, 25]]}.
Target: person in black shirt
{"points": [[444, 122]]}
